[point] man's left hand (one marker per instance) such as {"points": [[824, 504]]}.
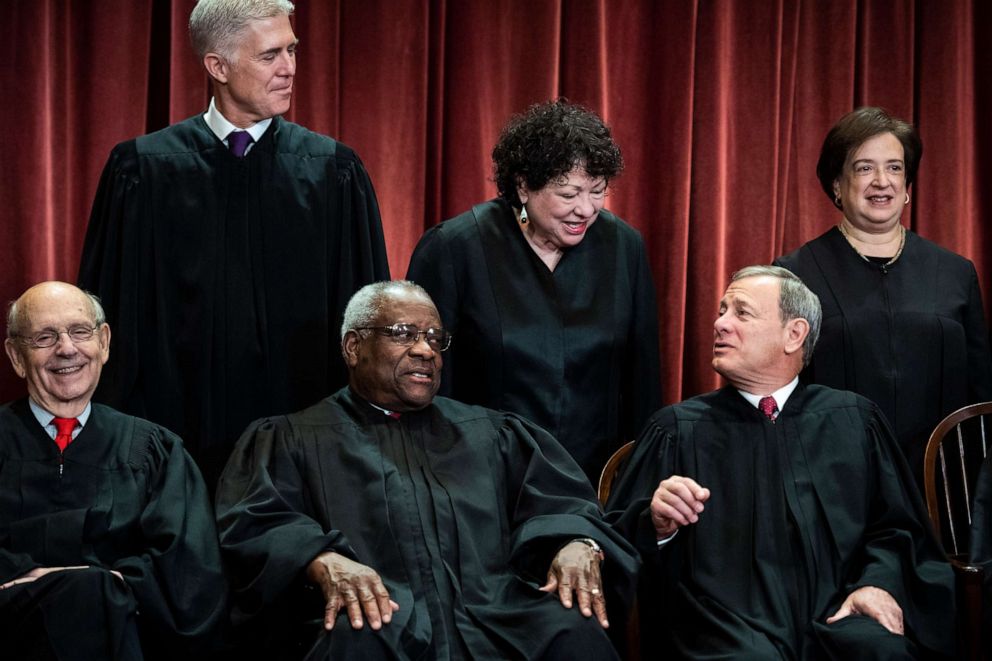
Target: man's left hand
{"points": [[576, 568], [874, 602]]}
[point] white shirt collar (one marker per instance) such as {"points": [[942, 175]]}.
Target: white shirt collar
{"points": [[222, 128], [781, 395], [45, 418]]}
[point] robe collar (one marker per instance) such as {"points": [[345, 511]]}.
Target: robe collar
{"points": [[45, 418], [221, 128], [781, 395]]}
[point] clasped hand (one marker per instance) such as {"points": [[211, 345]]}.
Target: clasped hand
{"points": [[354, 586], [576, 568]]}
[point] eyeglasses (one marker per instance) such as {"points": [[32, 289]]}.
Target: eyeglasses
{"points": [[406, 335], [49, 338]]}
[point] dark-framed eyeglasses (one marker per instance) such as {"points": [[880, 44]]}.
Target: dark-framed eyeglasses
{"points": [[437, 339], [49, 337]]}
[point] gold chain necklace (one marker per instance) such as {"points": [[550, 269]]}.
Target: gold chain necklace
{"points": [[850, 242]]}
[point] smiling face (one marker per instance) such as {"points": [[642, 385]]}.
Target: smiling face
{"points": [[257, 82], [388, 374], [61, 378], [872, 185], [561, 212], [752, 348]]}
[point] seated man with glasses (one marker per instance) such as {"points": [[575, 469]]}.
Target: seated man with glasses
{"points": [[107, 546], [385, 522]]}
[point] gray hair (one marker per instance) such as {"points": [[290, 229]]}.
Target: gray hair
{"points": [[365, 305], [795, 301], [214, 25], [15, 319]]}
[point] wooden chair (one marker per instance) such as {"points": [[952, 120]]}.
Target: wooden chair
{"points": [[952, 462], [610, 470], [633, 634]]}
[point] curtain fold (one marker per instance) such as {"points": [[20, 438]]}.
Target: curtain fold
{"points": [[720, 109]]}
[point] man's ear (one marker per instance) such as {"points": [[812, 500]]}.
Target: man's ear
{"points": [[796, 332], [15, 357], [103, 335], [350, 348], [217, 67]]}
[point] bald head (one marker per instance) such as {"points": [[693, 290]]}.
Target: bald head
{"points": [[58, 341]]}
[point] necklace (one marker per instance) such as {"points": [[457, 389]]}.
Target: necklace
{"points": [[850, 242]]}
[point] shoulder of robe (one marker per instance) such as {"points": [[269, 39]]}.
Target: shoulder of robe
{"points": [[466, 224], [188, 136], [800, 255], [149, 444], [458, 412], [301, 141], [945, 259], [818, 397]]}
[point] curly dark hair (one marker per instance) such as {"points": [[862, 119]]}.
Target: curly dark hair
{"points": [[853, 130], [548, 141]]}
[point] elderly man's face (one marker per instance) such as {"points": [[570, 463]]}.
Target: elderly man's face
{"points": [[61, 378], [388, 374], [749, 338], [260, 80]]}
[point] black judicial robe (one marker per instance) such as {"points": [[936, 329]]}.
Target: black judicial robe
{"points": [[574, 350], [802, 512], [911, 337], [459, 509], [981, 540], [128, 499], [225, 279]]}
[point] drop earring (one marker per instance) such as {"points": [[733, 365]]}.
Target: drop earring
{"points": [[523, 214]]}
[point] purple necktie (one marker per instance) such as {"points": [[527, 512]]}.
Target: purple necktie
{"points": [[768, 406], [238, 141]]}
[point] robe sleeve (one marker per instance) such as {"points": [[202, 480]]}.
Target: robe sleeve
{"points": [[110, 266], [641, 380], [553, 505], [900, 553], [267, 540], [432, 266], [176, 576], [652, 460], [363, 244]]}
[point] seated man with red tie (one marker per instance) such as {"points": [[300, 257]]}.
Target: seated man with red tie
{"points": [[778, 520], [108, 548]]}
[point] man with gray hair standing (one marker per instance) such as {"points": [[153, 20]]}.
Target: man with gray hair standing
{"points": [[777, 520], [226, 246], [387, 523]]}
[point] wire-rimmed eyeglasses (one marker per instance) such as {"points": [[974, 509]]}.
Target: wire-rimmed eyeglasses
{"points": [[437, 339], [50, 337]]}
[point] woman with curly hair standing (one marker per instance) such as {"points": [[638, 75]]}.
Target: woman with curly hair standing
{"points": [[549, 295]]}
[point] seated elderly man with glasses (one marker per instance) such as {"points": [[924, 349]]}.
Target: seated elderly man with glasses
{"points": [[385, 522], [108, 549]]}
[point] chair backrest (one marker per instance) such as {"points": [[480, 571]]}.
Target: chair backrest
{"points": [[953, 458], [610, 470]]}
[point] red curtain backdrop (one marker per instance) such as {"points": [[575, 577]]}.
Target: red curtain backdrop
{"points": [[719, 106]]}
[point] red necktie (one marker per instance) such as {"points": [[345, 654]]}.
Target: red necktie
{"points": [[64, 427], [768, 406]]}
